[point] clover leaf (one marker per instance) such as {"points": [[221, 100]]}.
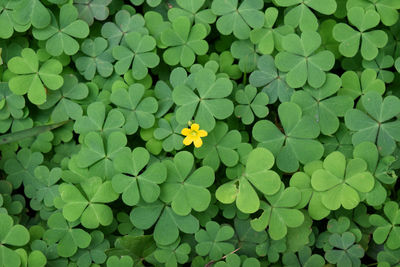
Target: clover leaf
{"points": [[184, 42], [304, 258], [167, 224], [274, 81], [347, 254], [194, 11], [12, 235], [138, 109], [115, 261], [169, 131], [96, 59], [61, 35], [99, 154], [32, 79], [95, 252], [8, 9], [321, 105], [173, 254], [250, 102], [97, 121], [387, 232], [206, 106], [89, 208], [212, 240], [278, 213], [296, 144], [30, 12], [92, 9], [239, 20], [268, 38], [163, 93], [21, 167], [137, 53], [301, 60], [63, 233], [376, 124], [64, 100], [130, 183], [257, 175], [350, 38], [45, 189], [219, 146], [301, 15], [11, 107], [387, 9], [125, 23], [184, 189], [355, 86], [340, 181], [379, 65]]}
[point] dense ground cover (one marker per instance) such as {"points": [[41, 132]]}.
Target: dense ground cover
{"points": [[199, 132]]}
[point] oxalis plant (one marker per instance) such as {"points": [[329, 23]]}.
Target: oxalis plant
{"points": [[199, 133]]}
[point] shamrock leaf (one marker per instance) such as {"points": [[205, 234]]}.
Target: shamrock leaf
{"points": [[64, 100], [92, 9], [268, 38], [340, 141], [125, 23], [67, 237], [350, 38], [301, 15], [279, 213], [301, 60], [184, 42], [340, 181], [95, 252], [30, 12], [99, 154], [138, 53], [31, 78], [354, 86], [124, 261], [60, 35], [163, 93], [250, 102], [169, 131], [391, 257], [45, 189], [225, 61], [347, 254], [194, 11], [304, 258], [11, 235], [11, 107], [130, 183], [96, 120], [274, 81], [167, 223], [375, 124], [212, 240], [96, 59], [219, 146], [387, 232], [296, 144], [21, 168], [379, 65], [387, 9], [252, 243], [173, 254], [238, 20], [8, 11], [245, 51], [89, 208], [321, 105], [137, 109], [208, 105], [257, 175], [184, 189]]}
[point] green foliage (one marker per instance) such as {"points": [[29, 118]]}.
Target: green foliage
{"points": [[291, 108]]}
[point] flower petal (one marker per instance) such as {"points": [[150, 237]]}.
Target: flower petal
{"points": [[202, 133], [185, 131], [188, 140], [195, 127], [198, 142]]}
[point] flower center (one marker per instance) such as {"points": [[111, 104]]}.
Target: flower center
{"points": [[194, 133]]}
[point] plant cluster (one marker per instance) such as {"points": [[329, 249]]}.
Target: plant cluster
{"points": [[199, 133]]}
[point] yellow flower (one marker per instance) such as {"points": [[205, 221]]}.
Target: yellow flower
{"points": [[193, 135]]}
